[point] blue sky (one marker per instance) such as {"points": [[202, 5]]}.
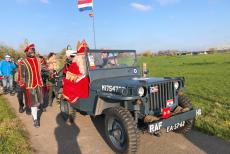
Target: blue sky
{"points": [[120, 24]]}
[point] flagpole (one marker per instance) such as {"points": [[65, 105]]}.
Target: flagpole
{"points": [[94, 35]]}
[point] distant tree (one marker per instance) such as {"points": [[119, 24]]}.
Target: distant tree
{"points": [[6, 50], [167, 53], [20, 51], [147, 53], [23, 45], [61, 54], [212, 50], [161, 53]]}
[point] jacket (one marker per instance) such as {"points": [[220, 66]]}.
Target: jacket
{"points": [[7, 68]]}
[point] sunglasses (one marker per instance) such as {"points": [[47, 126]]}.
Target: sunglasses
{"points": [[32, 49], [72, 56]]}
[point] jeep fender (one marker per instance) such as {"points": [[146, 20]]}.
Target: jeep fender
{"points": [[117, 97], [102, 105]]}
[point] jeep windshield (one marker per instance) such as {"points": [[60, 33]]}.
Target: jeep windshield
{"points": [[107, 59]]}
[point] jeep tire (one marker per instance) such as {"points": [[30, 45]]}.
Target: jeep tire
{"points": [[184, 102], [121, 130], [68, 113]]}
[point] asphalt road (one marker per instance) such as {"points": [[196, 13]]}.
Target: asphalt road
{"points": [[86, 137]]}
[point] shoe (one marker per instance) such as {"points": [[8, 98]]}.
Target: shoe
{"points": [[12, 94], [43, 109], [4, 90], [21, 110], [28, 111], [36, 124]]}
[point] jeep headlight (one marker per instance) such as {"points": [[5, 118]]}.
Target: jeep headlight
{"points": [[124, 92], [176, 85], [141, 91]]}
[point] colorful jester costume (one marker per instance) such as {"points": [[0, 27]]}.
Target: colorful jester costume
{"points": [[30, 70], [30, 78]]}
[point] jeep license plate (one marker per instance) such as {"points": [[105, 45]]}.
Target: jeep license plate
{"points": [[155, 127], [175, 126]]}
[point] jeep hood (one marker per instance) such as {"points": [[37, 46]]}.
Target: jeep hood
{"points": [[126, 82]]}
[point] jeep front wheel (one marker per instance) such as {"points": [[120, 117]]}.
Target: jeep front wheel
{"points": [[68, 113], [121, 130], [185, 103]]}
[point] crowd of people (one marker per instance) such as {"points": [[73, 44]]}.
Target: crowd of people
{"points": [[33, 79]]}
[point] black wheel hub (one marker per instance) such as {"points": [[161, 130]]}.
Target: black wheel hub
{"points": [[116, 133]]}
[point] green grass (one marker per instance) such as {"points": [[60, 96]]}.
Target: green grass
{"points": [[13, 137], [207, 79]]}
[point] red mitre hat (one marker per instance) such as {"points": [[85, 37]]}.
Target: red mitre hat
{"points": [[81, 48], [29, 47]]}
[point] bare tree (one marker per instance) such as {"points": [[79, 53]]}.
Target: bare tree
{"points": [[23, 45]]}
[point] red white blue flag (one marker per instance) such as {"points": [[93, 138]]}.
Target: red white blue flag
{"points": [[85, 5]]}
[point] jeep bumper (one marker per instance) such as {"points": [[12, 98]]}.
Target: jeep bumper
{"points": [[173, 122]]}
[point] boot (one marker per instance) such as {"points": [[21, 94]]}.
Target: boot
{"points": [[12, 93], [50, 100], [21, 110], [42, 108], [5, 90], [36, 124], [28, 111]]}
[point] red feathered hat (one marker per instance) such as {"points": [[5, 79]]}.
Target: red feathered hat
{"points": [[29, 47], [81, 48]]}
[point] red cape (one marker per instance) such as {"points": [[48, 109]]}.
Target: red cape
{"points": [[79, 88]]}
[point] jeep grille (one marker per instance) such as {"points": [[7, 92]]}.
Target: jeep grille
{"points": [[159, 98]]}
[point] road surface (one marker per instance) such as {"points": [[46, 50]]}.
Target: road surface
{"points": [[86, 137]]}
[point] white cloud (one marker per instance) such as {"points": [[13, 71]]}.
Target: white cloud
{"points": [[166, 2], [44, 1], [141, 7]]}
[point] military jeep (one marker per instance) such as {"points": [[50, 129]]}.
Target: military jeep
{"points": [[129, 101]]}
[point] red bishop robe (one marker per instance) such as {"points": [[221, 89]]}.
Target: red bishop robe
{"points": [[75, 84]]}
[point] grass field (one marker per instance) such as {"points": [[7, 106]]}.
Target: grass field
{"points": [[207, 79], [13, 139]]}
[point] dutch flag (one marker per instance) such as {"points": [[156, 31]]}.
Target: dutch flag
{"points": [[85, 5]]}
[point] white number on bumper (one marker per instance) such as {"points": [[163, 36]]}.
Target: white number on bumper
{"points": [[175, 126]]}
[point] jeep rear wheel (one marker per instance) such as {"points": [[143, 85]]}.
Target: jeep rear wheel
{"points": [[121, 130], [68, 113], [184, 102]]}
